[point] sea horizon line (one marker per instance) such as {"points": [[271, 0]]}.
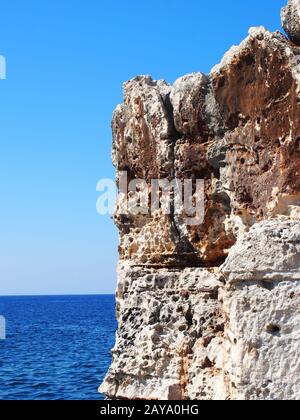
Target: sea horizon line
{"points": [[58, 295]]}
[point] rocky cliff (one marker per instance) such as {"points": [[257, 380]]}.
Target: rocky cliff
{"points": [[212, 310]]}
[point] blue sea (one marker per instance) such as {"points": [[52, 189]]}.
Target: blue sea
{"points": [[57, 347]]}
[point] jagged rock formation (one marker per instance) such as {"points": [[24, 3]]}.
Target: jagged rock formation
{"points": [[212, 311], [290, 16]]}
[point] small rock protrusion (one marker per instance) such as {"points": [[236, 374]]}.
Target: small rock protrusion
{"points": [[290, 18]]}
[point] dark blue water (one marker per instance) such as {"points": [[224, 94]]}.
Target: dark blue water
{"points": [[56, 347]]}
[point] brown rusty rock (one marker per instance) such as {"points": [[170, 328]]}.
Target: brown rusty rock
{"points": [[258, 94], [238, 129], [143, 129]]}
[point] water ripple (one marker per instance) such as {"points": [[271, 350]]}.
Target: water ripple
{"points": [[57, 348]]}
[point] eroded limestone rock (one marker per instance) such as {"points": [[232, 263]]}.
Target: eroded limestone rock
{"points": [[212, 311], [270, 251], [290, 17], [170, 335], [261, 308], [236, 128]]}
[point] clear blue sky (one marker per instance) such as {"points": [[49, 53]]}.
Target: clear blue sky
{"points": [[66, 61]]}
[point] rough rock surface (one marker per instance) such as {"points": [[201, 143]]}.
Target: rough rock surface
{"points": [[290, 16], [262, 311], [170, 336], [211, 311]]}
